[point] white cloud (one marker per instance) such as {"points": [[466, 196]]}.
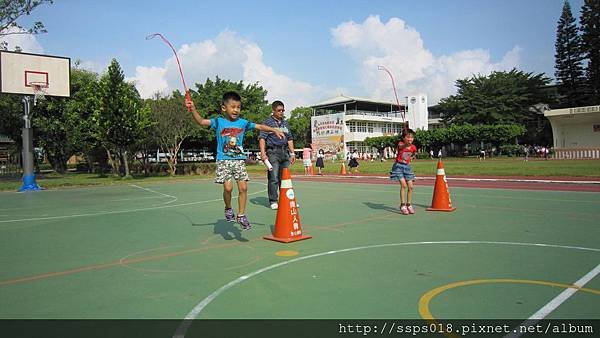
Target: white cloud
{"points": [[292, 92], [27, 42], [393, 44], [150, 80], [231, 58], [401, 49], [93, 66]]}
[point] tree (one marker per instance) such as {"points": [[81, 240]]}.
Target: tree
{"points": [[172, 125], [11, 116], [82, 108], [590, 28], [53, 126], [460, 135], [122, 118], [299, 122], [11, 11], [63, 126], [499, 135], [568, 60], [381, 142], [500, 98], [207, 99]]}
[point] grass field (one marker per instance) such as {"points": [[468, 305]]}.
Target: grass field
{"points": [[454, 167], [502, 166]]}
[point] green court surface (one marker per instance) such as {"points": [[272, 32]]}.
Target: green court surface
{"points": [[164, 251]]}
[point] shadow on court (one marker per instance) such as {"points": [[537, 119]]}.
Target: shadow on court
{"points": [[260, 201], [229, 231], [380, 206]]}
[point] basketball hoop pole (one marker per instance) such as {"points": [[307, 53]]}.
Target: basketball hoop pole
{"points": [[29, 183], [38, 76]]}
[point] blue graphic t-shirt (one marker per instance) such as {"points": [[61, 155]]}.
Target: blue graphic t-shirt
{"points": [[230, 137]]}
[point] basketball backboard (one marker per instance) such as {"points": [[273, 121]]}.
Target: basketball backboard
{"points": [[19, 72]]}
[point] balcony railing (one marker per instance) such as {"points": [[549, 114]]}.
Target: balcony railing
{"points": [[576, 153]]}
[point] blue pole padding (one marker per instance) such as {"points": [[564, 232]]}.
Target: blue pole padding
{"points": [[29, 183]]}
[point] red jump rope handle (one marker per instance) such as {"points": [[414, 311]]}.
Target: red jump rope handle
{"points": [[188, 101]]}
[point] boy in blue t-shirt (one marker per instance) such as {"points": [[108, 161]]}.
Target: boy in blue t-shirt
{"points": [[231, 160]]}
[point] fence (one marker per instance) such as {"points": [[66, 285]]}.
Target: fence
{"points": [[9, 165], [576, 153]]}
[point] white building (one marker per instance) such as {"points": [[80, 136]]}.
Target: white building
{"points": [[417, 114], [341, 124], [576, 131]]}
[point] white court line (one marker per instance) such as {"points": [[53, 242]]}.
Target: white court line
{"points": [[553, 304], [195, 312], [557, 301], [156, 192], [123, 211], [137, 198]]}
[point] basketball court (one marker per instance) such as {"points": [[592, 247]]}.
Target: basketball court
{"points": [[164, 251]]}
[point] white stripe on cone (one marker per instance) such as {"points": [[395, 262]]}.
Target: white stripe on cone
{"points": [[286, 184]]}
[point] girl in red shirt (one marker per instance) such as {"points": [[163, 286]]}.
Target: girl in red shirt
{"points": [[402, 171]]}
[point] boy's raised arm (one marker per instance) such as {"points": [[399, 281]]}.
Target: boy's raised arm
{"points": [[263, 127], [190, 106]]}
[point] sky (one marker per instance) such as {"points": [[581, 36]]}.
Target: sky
{"points": [[303, 52]]}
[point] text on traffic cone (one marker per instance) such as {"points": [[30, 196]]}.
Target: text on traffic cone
{"points": [[287, 223]]}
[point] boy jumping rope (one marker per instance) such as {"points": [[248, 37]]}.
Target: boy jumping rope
{"points": [[402, 171], [231, 160]]}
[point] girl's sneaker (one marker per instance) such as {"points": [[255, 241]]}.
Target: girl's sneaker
{"points": [[404, 210], [243, 220], [411, 210], [229, 216]]}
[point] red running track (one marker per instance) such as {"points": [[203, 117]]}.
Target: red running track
{"points": [[586, 184]]}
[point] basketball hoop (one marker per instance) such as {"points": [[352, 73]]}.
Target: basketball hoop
{"points": [[39, 90]]}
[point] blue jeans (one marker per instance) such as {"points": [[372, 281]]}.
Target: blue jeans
{"points": [[279, 159], [400, 171]]}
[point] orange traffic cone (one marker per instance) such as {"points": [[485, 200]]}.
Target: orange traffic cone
{"points": [[343, 169], [310, 170], [441, 196], [287, 223]]}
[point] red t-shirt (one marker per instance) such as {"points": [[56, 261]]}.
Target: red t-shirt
{"points": [[404, 155]]}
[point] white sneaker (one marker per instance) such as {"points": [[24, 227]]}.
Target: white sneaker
{"points": [[274, 206]]}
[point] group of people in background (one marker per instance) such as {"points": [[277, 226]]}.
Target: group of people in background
{"points": [[307, 160], [538, 151]]}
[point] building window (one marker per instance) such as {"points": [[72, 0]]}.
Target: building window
{"points": [[351, 126], [361, 127], [379, 127], [370, 126]]}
